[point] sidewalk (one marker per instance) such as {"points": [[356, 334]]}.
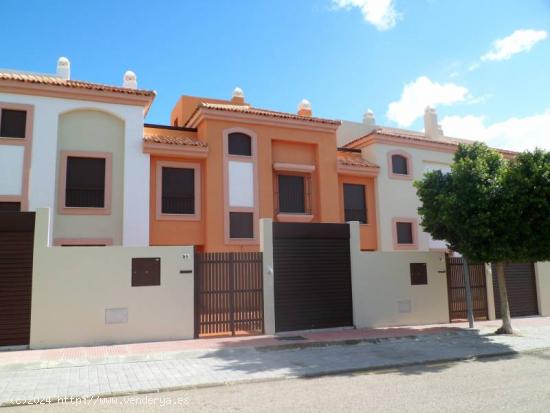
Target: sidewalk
{"points": [[150, 367]]}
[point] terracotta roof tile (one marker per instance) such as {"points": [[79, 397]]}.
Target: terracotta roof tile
{"points": [[419, 136], [174, 140], [349, 159], [263, 112], [45, 79]]}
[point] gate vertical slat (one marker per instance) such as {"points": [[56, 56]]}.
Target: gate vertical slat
{"points": [[229, 293], [457, 290]]}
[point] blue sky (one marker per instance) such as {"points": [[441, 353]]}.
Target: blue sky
{"points": [[345, 56]]}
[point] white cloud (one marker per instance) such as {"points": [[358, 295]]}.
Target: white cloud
{"points": [[515, 134], [421, 93], [380, 13], [517, 42]]}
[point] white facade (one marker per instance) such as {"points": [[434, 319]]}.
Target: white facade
{"points": [[42, 179], [396, 198], [11, 169]]}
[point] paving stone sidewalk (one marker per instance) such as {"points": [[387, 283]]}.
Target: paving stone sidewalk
{"points": [[219, 366]]}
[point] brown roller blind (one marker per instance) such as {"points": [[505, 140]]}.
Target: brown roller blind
{"points": [[355, 208], [13, 123], [241, 225], [85, 185], [178, 190], [399, 165], [404, 233]]}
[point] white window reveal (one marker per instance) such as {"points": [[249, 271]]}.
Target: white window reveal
{"points": [[11, 169], [241, 184]]}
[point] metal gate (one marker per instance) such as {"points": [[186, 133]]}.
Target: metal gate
{"points": [[228, 293], [457, 290], [16, 254], [312, 276], [521, 288]]}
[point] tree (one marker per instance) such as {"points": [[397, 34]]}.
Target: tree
{"points": [[467, 208]]}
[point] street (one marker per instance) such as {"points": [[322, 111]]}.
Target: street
{"points": [[507, 384]]}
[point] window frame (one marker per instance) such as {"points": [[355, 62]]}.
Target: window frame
{"points": [[161, 216], [307, 193], [26, 143], [414, 233], [408, 158], [255, 210], [65, 210], [365, 198]]}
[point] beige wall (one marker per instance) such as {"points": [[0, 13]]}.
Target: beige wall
{"points": [[381, 284], [94, 131], [73, 286], [397, 197], [542, 272]]}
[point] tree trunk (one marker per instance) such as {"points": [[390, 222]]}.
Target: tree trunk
{"points": [[469, 305], [506, 327]]}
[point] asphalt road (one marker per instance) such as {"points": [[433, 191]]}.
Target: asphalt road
{"points": [[511, 384]]}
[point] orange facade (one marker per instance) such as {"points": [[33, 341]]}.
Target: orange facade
{"points": [[230, 186]]}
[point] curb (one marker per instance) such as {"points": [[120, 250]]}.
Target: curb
{"points": [[386, 367]]}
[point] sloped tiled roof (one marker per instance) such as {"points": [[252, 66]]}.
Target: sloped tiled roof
{"points": [[45, 79], [420, 137], [228, 107], [174, 140], [354, 159]]}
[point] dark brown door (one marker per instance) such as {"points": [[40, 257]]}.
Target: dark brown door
{"points": [[16, 250], [312, 276], [457, 290], [522, 290], [228, 293]]}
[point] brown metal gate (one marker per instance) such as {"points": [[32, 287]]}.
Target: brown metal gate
{"points": [[521, 288], [457, 290], [312, 276], [16, 253], [228, 293]]}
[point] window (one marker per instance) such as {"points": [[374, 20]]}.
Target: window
{"points": [[13, 123], [239, 144], [241, 225], [10, 206], [85, 187], [399, 165], [404, 233], [292, 194], [355, 208], [241, 206], [419, 273], [178, 190], [85, 183]]}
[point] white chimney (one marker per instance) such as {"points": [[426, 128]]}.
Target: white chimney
{"points": [[431, 127], [238, 96], [63, 68], [304, 108], [368, 118], [130, 80]]}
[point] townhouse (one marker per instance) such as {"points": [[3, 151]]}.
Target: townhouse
{"points": [[228, 219], [75, 147]]}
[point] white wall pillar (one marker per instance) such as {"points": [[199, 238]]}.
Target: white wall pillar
{"points": [[542, 278], [266, 246], [490, 292], [135, 228], [355, 251]]}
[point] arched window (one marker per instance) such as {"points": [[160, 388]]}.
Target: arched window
{"points": [[399, 165], [239, 144]]}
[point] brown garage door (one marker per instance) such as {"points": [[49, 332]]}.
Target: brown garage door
{"points": [[312, 276], [16, 249], [522, 290]]}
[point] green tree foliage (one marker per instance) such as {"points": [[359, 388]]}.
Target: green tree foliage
{"points": [[490, 209]]}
